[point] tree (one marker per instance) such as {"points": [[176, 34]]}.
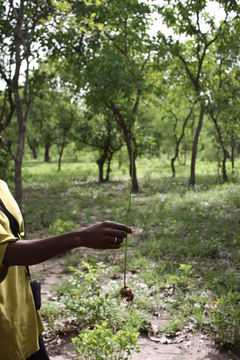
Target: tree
{"points": [[177, 107], [121, 55], [223, 90], [65, 112], [41, 129], [109, 60], [191, 19], [22, 23], [53, 114], [99, 132]]}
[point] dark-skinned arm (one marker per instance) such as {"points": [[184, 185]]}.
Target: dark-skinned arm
{"points": [[105, 235]]}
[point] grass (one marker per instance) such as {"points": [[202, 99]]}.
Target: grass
{"points": [[185, 250]]}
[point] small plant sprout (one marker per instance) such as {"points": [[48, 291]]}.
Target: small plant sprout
{"points": [[126, 292]]}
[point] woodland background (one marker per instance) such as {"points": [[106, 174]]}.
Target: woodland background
{"points": [[105, 101]]}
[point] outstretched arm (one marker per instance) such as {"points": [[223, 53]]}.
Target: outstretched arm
{"points": [[105, 235]]}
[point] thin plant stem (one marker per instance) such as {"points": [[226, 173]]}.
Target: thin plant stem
{"points": [[127, 220]]}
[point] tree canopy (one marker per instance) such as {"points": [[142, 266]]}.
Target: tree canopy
{"points": [[69, 69]]}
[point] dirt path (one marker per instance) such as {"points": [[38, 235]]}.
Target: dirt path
{"points": [[187, 346]]}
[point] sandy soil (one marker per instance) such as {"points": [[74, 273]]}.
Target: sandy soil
{"points": [[186, 347]]}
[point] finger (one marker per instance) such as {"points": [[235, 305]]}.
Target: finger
{"points": [[110, 246], [116, 233], [113, 246], [114, 240], [118, 226]]}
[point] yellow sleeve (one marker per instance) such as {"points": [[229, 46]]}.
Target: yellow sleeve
{"points": [[5, 238]]}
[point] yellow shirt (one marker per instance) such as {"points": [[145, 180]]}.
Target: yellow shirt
{"points": [[20, 323]]}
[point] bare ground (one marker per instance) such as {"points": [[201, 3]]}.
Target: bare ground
{"points": [[187, 346]]}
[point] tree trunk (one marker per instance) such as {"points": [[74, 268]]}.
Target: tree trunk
{"points": [[195, 145], [32, 148], [109, 166], [34, 152], [184, 152], [100, 163], [172, 162], [103, 158], [218, 161], [132, 155], [61, 154], [18, 161], [131, 146], [107, 155], [232, 158], [232, 152], [178, 141], [224, 150], [224, 171], [47, 153]]}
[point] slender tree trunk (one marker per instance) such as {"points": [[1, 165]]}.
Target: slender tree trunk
{"points": [[132, 155], [224, 150], [109, 166], [224, 170], [20, 150], [232, 152], [34, 152], [172, 162], [18, 170], [18, 160], [32, 148], [176, 146], [18, 105], [103, 157], [182, 157], [47, 152], [178, 141], [195, 146], [218, 160], [232, 158], [184, 151], [131, 146], [106, 156], [100, 163], [61, 154]]}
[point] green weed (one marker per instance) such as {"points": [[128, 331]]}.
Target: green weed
{"points": [[108, 330], [51, 311]]}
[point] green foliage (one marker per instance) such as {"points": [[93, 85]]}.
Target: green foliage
{"points": [[51, 311], [186, 268], [225, 319], [60, 227], [108, 330], [103, 343]]}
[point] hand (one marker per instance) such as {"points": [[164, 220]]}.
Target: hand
{"points": [[104, 235]]}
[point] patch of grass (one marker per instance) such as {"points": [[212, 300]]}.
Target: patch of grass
{"points": [[185, 250], [51, 311]]}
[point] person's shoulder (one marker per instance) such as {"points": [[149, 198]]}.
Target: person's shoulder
{"points": [[3, 184], [4, 187]]}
